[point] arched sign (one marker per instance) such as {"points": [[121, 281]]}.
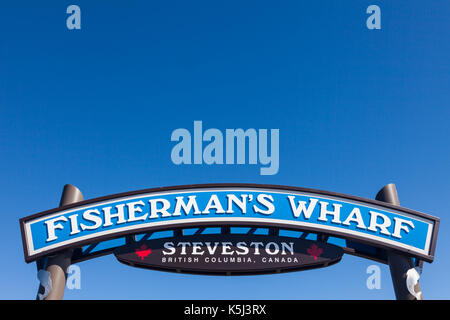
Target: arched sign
{"points": [[356, 219]]}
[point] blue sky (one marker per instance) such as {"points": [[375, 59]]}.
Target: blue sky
{"points": [[95, 107]]}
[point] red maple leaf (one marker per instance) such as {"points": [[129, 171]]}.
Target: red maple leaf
{"points": [[143, 252], [314, 251]]}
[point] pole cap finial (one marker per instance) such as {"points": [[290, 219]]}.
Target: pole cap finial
{"points": [[70, 194], [388, 194]]}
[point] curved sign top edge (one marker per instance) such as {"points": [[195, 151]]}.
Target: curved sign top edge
{"points": [[364, 220]]}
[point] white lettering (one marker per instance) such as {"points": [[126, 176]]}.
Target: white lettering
{"points": [[324, 212], [382, 226], [297, 211], [51, 226], [398, 226]]}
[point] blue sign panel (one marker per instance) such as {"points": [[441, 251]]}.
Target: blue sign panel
{"points": [[350, 217]]}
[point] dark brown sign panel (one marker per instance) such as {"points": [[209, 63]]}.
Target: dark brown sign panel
{"points": [[229, 254]]}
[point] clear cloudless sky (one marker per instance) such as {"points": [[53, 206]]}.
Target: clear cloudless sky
{"points": [[95, 107]]}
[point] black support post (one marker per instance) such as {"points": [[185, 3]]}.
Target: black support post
{"points": [[398, 264], [57, 265]]}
